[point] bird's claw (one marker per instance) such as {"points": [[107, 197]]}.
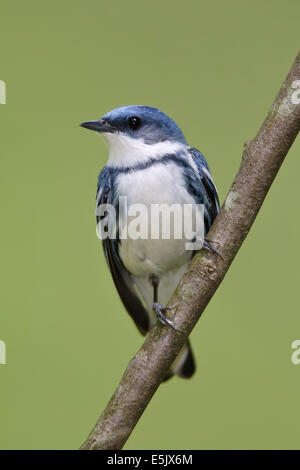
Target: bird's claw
{"points": [[207, 245], [160, 312]]}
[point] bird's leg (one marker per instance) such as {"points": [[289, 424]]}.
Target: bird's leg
{"points": [[160, 309], [154, 281]]}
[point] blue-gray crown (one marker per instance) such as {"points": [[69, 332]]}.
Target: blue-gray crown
{"points": [[145, 122]]}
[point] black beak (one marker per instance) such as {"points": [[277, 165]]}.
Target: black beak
{"points": [[100, 126]]}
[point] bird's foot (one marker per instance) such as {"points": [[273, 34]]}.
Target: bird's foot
{"points": [[160, 312], [207, 246]]}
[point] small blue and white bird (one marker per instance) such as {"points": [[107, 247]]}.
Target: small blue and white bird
{"points": [[150, 163]]}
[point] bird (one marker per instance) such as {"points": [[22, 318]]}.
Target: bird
{"points": [[150, 163]]}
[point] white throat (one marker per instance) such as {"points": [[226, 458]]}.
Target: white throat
{"points": [[127, 151]]}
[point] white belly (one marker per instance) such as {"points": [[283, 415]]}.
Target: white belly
{"points": [[159, 184]]}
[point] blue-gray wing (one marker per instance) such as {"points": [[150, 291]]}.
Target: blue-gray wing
{"points": [[204, 188], [122, 278]]}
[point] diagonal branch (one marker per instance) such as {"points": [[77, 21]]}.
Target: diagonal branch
{"points": [[261, 161]]}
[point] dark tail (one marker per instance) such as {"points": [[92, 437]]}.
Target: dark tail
{"points": [[184, 364]]}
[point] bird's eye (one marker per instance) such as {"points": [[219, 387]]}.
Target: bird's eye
{"points": [[134, 122]]}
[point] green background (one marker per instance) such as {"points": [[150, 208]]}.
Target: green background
{"points": [[215, 67]]}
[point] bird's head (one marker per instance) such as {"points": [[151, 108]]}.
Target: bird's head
{"points": [[136, 133]]}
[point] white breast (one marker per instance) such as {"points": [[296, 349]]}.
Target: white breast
{"points": [[158, 184]]}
